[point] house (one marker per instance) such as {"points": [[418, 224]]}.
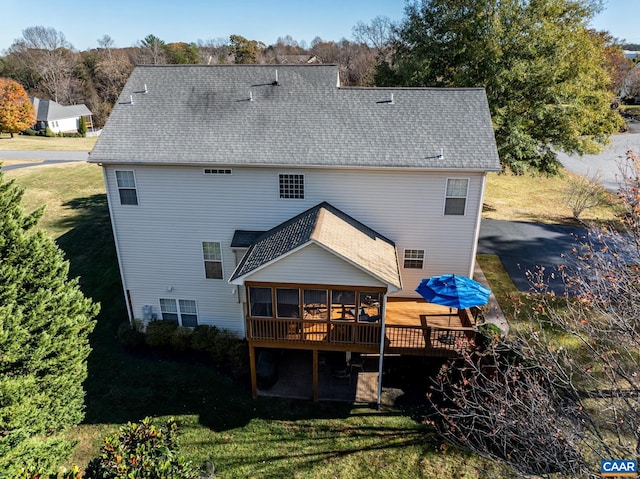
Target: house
{"points": [[271, 201], [60, 118]]}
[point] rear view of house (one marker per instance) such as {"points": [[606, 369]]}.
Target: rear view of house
{"points": [[271, 201]]}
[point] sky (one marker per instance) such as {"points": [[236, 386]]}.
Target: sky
{"points": [[129, 21]]}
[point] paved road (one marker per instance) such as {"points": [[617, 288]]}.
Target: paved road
{"points": [[46, 157], [606, 163]]}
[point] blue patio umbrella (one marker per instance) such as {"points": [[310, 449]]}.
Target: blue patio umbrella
{"points": [[454, 291]]}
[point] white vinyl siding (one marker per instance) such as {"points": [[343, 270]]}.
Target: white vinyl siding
{"points": [[160, 241], [456, 196], [314, 265], [127, 190]]}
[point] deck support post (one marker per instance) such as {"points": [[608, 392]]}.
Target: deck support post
{"points": [[252, 365], [382, 341], [315, 375]]}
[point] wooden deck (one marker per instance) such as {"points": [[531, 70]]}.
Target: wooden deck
{"points": [[413, 327]]}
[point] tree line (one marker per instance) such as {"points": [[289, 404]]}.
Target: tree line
{"points": [[48, 66]]}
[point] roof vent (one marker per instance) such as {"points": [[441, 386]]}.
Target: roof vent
{"points": [[145, 91], [130, 99], [389, 100], [275, 82], [250, 95], [441, 155]]}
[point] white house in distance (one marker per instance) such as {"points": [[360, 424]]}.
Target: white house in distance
{"points": [[60, 118], [271, 201]]}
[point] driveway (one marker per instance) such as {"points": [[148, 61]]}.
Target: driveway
{"points": [[524, 246], [44, 157]]}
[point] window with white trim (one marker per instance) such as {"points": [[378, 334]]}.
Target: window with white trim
{"points": [[127, 187], [413, 258], [291, 186], [456, 196], [183, 311], [212, 254]]}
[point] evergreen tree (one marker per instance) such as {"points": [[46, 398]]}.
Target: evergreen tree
{"points": [[45, 321]]}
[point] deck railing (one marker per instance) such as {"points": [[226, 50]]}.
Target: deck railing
{"points": [[357, 336]]}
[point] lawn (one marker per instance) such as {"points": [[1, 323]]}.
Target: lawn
{"points": [[25, 142], [265, 438], [539, 199]]}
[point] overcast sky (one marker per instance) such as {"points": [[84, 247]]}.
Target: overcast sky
{"points": [[129, 21]]}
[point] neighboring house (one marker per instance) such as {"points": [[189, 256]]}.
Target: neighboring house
{"points": [[272, 202], [60, 118]]}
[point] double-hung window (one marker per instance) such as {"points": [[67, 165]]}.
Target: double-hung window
{"points": [[456, 196], [413, 258], [127, 187], [181, 311], [212, 254]]}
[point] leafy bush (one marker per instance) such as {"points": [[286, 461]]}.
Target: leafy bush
{"points": [[49, 133], [142, 450], [221, 346], [130, 336], [160, 334], [29, 132], [181, 339]]}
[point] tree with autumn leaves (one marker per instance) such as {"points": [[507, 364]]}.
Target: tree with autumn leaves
{"points": [[16, 111]]}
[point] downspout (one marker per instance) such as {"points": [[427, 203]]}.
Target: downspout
{"points": [[382, 336]]}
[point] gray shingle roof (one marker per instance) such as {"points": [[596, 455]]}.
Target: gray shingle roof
{"points": [[333, 230], [49, 110], [202, 114]]}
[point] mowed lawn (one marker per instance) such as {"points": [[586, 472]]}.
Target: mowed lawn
{"points": [[25, 142], [265, 438]]}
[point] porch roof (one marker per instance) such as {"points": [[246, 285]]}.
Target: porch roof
{"points": [[331, 229]]}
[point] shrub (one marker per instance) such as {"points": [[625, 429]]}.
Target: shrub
{"points": [[29, 132], [203, 338], [49, 133], [181, 339], [584, 193], [160, 333], [130, 336], [142, 450]]}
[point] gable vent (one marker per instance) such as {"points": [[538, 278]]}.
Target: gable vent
{"points": [[217, 171]]}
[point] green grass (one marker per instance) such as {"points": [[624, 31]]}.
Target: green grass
{"points": [[265, 438], [539, 199], [25, 142]]}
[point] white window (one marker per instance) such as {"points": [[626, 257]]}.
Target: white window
{"points": [[182, 311], [456, 196], [413, 258], [127, 187], [292, 187], [212, 254]]}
